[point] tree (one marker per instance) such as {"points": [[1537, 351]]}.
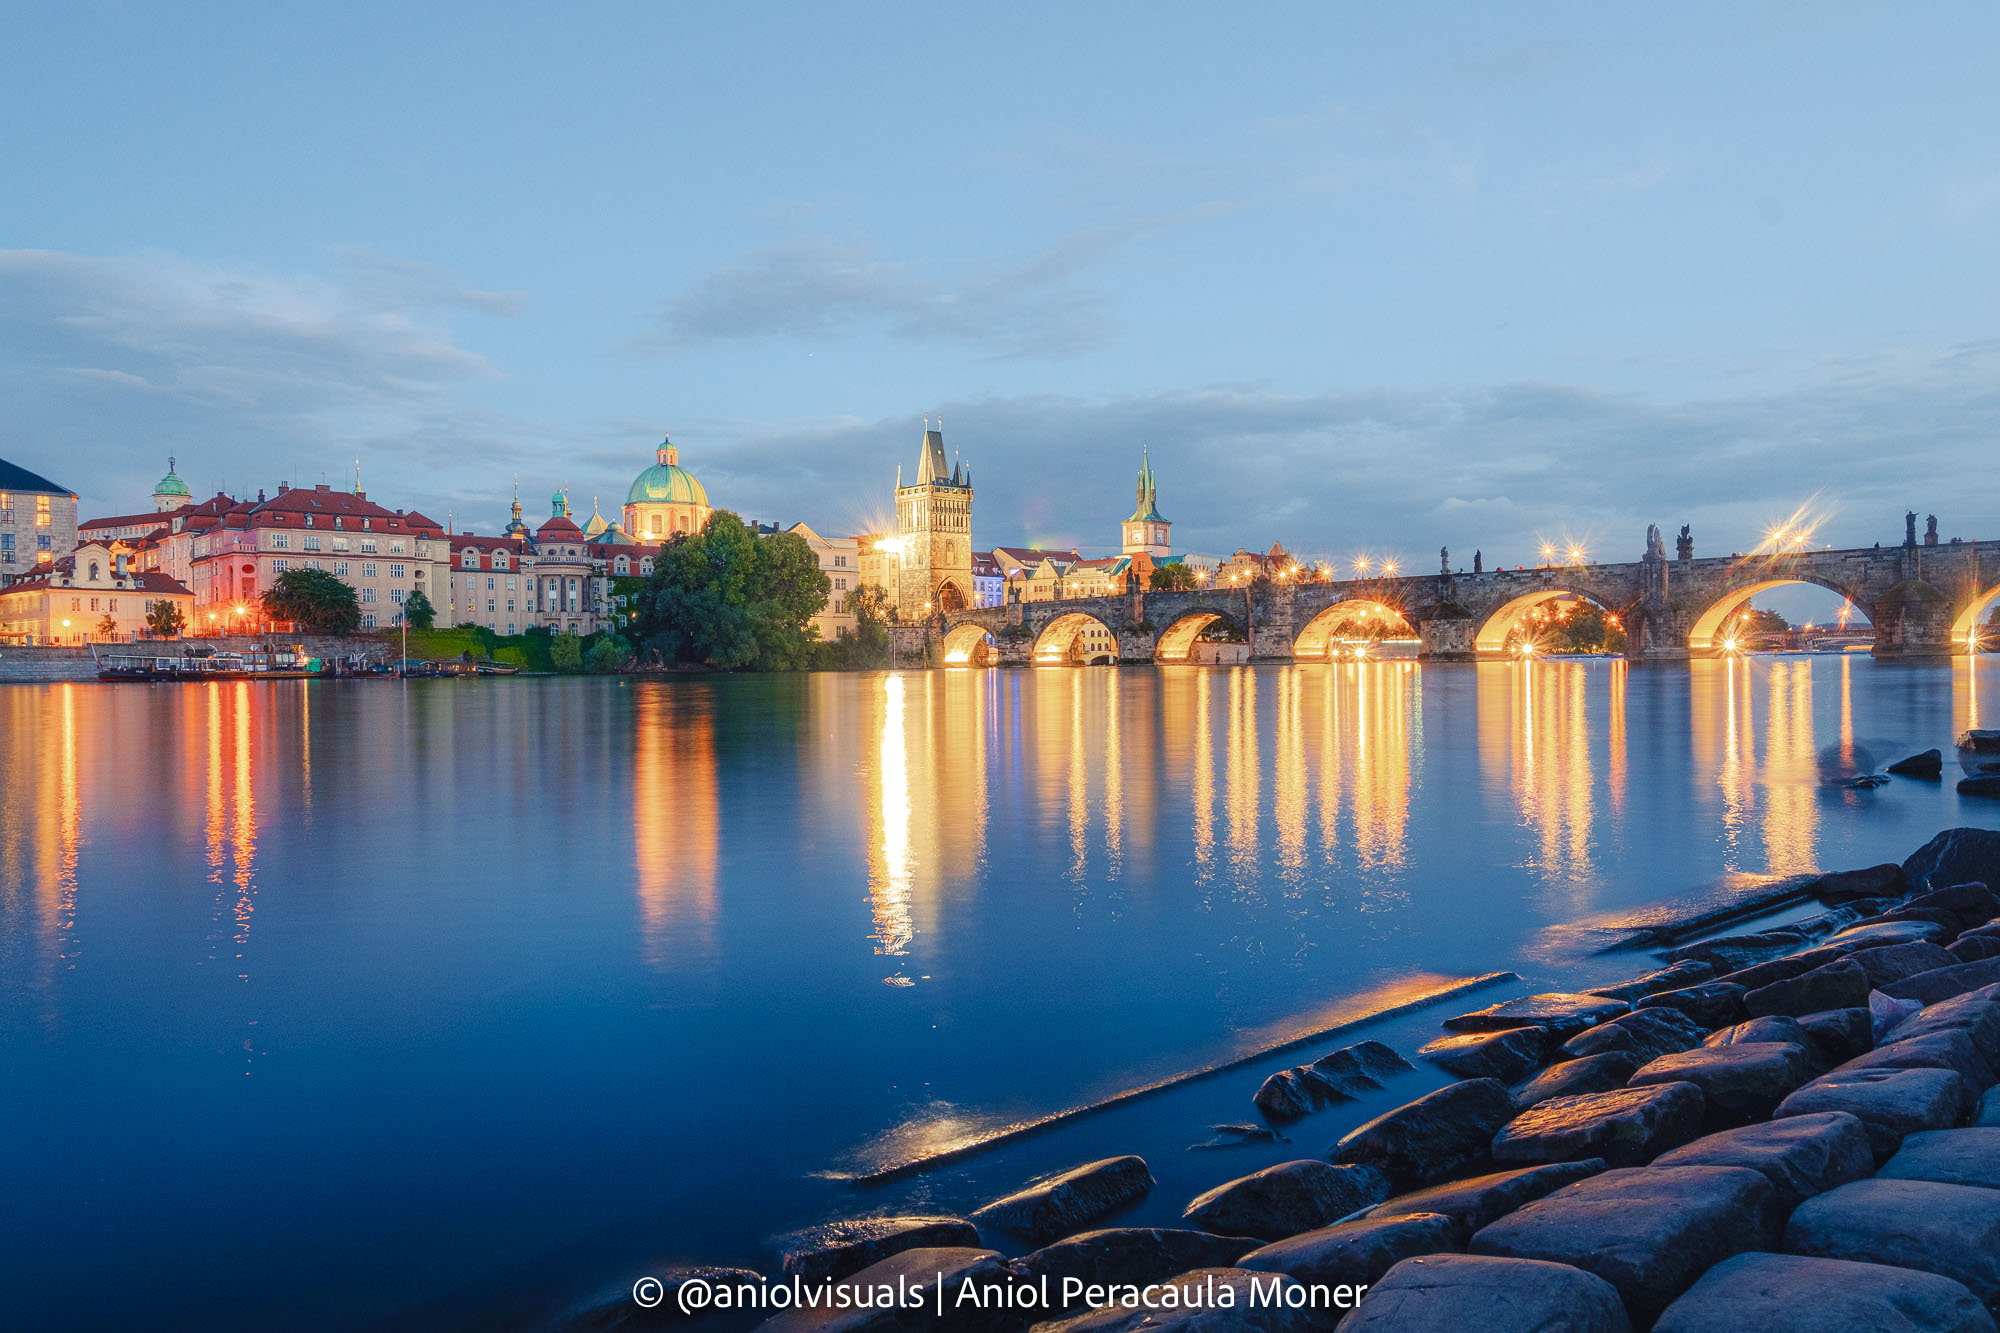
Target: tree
{"points": [[607, 654], [726, 598], [866, 646], [418, 613], [165, 619], [1177, 577], [108, 626], [315, 601], [566, 652]]}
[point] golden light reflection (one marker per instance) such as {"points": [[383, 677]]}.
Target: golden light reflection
{"points": [[676, 825], [889, 860], [1369, 726], [1553, 775], [1791, 773], [1241, 776], [1965, 692], [1290, 793], [1616, 749]]}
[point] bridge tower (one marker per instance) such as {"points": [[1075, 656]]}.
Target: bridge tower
{"points": [[1148, 531], [934, 534]]}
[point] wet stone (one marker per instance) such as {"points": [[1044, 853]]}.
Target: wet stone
{"points": [[1951, 1230], [1845, 886], [1056, 1205], [1649, 1232], [1729, 952], [1490, 1295], [1286, 1199], [1896, 961], [1889, 1103], [1956, 856], [1800, 1155], [1471, 1204], [1976, 1013], [1932, 1050], [1357, 1253], [1507, 1055], [1837, 1035], [1626, 1128], [1739, 1082], [1892, 932], [1433, 1137], [1774, 1027], [1362, 1067], [1929, 764], [1793, 1293], [1841, 985], [1988, 1115], [1237, 1136], [1573, 1078], [1712, 1004], [1339, 1076], [1285, 1096], [1964, 905], [1130, 1254], [835, 1249], [1948, 1156], [1561, 1014], [1943, 983], [1760, 975], [1645, 1032], [1972, 948], [1681, 974]]}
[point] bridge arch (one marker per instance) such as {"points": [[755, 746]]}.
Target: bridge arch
{"points": [[1318, 640], [1519, 612], [1075, 639], [1707, 634], [969, 644], [1176, 641], [1973, 618]]}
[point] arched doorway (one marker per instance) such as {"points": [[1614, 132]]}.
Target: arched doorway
{"points": [[1357, 622], [1076, 640], [951, 598]]}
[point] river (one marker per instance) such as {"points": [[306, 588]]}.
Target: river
{"points": [[365, 1002]]}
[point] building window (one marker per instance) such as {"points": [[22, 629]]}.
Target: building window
{"points": [[489, 583], [309, 542], [395, 571], [395, 548], [340, 568], [367, 545], [489, 606], [340, 543], [367, 594], [41, 511], [368, 569], [280, 566], [396, 596], [368, 620], [281, 541]]}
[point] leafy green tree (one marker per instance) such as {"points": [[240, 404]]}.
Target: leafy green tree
{"points": [[418, 613], [1178, 577], [315, 601], [866, 646], [607, 654], [165, 619], [566, 652], [726, 598], [108, 626]]}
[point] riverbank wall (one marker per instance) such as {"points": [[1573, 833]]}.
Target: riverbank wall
{"points": [[24, 666]]}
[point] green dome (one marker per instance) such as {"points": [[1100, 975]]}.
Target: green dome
{"points": [[172, 485], [666, 482]]}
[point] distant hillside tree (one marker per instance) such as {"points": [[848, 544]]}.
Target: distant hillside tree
{"points": [[726, 598], [418, 613]]}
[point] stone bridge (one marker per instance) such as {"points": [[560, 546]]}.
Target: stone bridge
{"points": [[1923, 601]]}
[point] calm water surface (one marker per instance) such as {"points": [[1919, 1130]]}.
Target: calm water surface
{"points": [[325, 1004]]}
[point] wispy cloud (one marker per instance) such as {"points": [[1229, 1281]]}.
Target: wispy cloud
{"points": [[818, 288]]}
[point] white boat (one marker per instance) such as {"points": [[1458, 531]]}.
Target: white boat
{"points": [[1979, 752]]}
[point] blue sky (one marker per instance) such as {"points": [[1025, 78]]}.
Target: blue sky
{"points": [[1363, 278]]}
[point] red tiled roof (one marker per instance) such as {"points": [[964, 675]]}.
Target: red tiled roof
{"points": [[123, 521]]}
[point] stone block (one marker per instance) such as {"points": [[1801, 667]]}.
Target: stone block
{"points": [[1561, 1014], [1948, 1156], [1626, 1128], [1712, 1004], [1572, 1078], [1794, 1293], [1950, 1230], [1471, 1204], [1841, 985], [1889, 1103], [1453, 1292], [1508, 1055], [1838, 1035], [1357, 1253], [1800, 1155], [1927, 988], [1054, 1206], [835, 1249], [1433, 1137], [1288, 1198]]}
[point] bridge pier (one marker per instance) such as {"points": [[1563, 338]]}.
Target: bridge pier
{"points": [[1447, 636], [1912, 620]]}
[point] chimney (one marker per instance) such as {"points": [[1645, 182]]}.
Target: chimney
{"points": [[283, 487], [323, 488], [260, 495]]}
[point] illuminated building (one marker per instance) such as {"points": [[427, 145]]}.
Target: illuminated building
{"points": [[1147, 531], [840, 560], [554, 577], [92, 596], [37, 522], [665, 500], [933, 543]]}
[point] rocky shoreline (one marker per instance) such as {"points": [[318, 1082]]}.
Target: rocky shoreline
{"points": [[1795, 1128]]}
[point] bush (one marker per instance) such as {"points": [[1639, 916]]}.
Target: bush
{"points": [[565, 652]]}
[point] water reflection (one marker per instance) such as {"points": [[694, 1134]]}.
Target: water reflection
{"points": [[676, 823]]}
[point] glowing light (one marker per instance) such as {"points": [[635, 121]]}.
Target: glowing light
{"points": [[1576, 554], [1388, 566], [893, 545], [1361, 563]]}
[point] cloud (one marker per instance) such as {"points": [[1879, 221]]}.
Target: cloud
{"points": [[817, 288]]}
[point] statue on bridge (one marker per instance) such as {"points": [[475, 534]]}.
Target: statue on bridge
{"points": [[1656, 549], [1930, 531], [1444, 560], [1684, 544], [1478, 565], [1910, 528]]}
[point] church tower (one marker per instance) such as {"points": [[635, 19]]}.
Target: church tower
{"points": [[934, 534], [1147, 531]]}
